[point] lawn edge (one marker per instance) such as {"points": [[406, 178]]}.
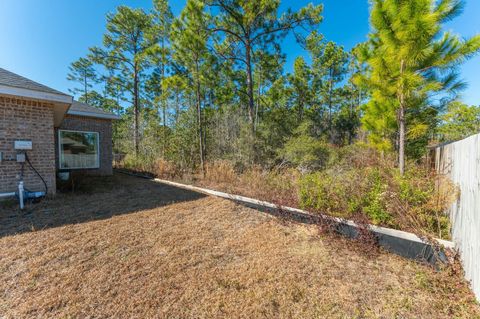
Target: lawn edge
{"points": [[400, 242]]}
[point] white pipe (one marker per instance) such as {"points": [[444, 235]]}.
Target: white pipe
{"points": [[2, 195], [20, 195]]}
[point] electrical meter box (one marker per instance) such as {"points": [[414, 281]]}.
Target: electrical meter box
{"points": [[21, 158], [23, 145]]}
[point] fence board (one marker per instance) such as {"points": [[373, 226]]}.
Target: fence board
{"points": [[461, 162]]}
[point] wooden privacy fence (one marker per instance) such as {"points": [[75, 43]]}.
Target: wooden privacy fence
{"points": [[461, 162]]}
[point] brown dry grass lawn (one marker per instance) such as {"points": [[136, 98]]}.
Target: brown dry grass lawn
{"points": [[137, 249]]}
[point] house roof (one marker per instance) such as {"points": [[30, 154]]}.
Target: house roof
{"points": [[12, 84], [17, 85], [11, 79], [83, 109]]}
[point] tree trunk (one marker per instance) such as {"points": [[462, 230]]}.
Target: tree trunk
{"points": [[330, 93], [251, 102], [199, 119], [257, 105], [136, 112], [401, 139], [164, 106], [177, 107], [86, 88], [401, 122], [353, 102]]}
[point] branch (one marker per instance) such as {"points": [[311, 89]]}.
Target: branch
{"points": [[287, 26], [229, 32], [232, 13], [231, 57]]}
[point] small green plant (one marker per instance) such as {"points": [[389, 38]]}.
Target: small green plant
{"points": [[374, 205]]}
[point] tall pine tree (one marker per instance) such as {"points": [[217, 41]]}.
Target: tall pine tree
{"points": [[411, 59], [127, 44]]}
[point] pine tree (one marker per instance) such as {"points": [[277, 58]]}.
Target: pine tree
{"points": [[161, 53], [246, 26], [301, 89], [173, 88], [189, 41], [329, 69], [83, 72], [410, 60], [128, 42]]}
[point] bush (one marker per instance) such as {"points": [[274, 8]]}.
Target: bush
{"points": [[220, 172], [137, 163], [166, 169], [345, 194], [304, 151], [424, 198], [374, 189]]}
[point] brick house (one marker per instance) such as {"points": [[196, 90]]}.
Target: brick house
{"points": [[55, 132]]}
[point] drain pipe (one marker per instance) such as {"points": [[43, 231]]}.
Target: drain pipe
{"points": [[23, 195], [20, 195], [5, 195]]}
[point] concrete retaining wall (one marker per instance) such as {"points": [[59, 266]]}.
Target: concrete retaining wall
{"points": [[396, 241]]}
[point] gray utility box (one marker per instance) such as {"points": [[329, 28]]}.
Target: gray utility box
{"points": [[21, 158]]}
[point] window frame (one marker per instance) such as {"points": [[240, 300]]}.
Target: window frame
{"points": [[60, 150]]}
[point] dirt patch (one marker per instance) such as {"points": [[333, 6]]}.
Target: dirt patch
{"points": [[138, 249]]}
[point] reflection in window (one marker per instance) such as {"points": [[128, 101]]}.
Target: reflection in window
{"points": [[78, 150]]}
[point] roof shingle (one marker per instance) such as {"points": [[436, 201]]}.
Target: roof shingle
{"points": [[8, 78], [93, 111]]}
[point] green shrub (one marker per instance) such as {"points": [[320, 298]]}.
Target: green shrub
{"points": [[345, 193], [305, 151], [378, 192], [137, 163], [375, 199]]}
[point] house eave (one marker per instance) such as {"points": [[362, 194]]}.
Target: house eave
{"points": [[37, 95], [94, 115], [61, 103]]}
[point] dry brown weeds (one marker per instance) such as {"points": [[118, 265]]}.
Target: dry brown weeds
{"points": [[137, 249]]}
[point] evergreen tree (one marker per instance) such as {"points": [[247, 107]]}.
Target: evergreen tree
{"points": [[189, 41], [301, 88], [249, 26], [161, 54], [460, 121], [174, 89], [82, 72], [127, 44], [329, 69], [410, 60]]}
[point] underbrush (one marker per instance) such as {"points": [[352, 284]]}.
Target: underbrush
{"points": [[357, 183]]}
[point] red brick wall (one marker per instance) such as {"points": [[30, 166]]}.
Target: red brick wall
{"points": [[28, 120], [88, 124]]}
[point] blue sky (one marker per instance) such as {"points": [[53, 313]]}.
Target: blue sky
{"points": [[40, 38]]}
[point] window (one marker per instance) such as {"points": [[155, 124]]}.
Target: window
{"points": [[78, 150]]}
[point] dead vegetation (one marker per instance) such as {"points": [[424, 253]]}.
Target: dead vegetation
{"points": [[357, 183], [132, 248]]}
